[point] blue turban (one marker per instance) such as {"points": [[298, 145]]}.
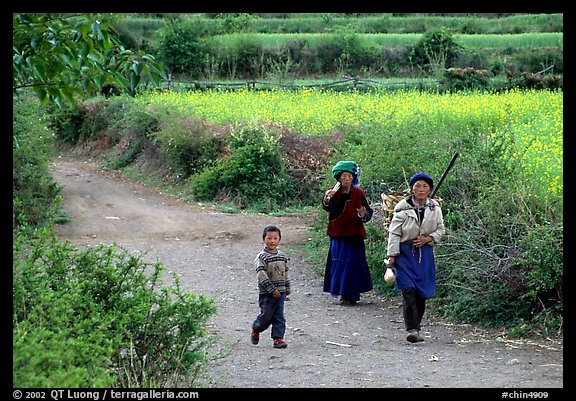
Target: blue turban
{"points": [[421, 176]]}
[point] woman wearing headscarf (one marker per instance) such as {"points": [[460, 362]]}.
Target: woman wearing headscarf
{"points": [[347, 274], [417, 224]]}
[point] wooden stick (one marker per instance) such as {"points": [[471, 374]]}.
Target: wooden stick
{"points": [[340, 345], [444, 175]]}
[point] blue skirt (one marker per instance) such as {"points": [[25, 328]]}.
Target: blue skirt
{"points": [[347, 272], [415, 268]]}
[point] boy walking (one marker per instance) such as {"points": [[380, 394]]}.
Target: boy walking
{"points": [[273, 287]]}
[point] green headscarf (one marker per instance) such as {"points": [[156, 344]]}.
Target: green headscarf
{"points": [[349, 166]]}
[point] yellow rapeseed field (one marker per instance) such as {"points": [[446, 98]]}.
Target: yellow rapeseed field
{"points": [[532, 117]]}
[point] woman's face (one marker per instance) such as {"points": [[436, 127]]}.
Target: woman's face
{"points": [[346, 179], [421, 190]]}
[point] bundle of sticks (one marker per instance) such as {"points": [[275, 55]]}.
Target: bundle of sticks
{"points": [[390, 199]]}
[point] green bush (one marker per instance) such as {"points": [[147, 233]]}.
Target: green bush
{"points": [[181, 49], [34, 192], [460, 79], [188, 145], [100, 318], [389, 158], [504, 264], [116, 122], [244, 59], [251, 174], [542, 257], [67, 123], [436, 50]]}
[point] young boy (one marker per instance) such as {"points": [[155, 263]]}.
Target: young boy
{"points": [[273, 287]]}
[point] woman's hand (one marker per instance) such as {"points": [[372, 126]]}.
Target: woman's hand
{"points": [[422, 240], [391, 260], [330, 193], [361, 212]]}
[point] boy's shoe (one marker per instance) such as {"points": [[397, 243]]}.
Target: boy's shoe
{"points": [[280, 343], [420, 338], [413, 336], [255, 337]]}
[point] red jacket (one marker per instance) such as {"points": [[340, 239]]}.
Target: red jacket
{"points": [[343, 220]]}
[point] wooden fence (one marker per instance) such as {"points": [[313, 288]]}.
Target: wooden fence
{"points": [[345, 82]]}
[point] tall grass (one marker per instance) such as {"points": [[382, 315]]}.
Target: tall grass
{"points": [[389, 23], [378, 23], [392, 40]]}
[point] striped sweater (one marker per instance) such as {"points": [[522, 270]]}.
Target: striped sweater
{"points": [[272, 272]]}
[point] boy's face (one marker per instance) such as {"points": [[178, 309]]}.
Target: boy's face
{"points": [[271, 240]]}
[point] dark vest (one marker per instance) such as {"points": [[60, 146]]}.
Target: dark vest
{"points": [[343, 220]]}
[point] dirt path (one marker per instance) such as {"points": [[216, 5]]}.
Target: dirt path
{"points": [[213, 253]]}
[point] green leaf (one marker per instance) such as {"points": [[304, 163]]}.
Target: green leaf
{"points": [[137, 68], [107, 44], [134, 80], [68, 94], [95, 29], [63, 49], [121, 81], [99, 80], [86, 85], [65, 59], [41, 94], [85, 50], [155, 78], [40, 73]]}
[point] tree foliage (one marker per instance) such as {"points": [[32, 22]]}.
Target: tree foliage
{"points": [[62, 55]]}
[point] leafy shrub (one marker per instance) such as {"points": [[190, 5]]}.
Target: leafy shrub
{"points": [[458, 79], [244, 59], [117, 123], [305, 160], [205, 185], [436, 50], [493, 269], [34, 192], [252, 173], [188, 145], [67, 123], [369, 147], [537, 81], [181, 49], [100, 317], [542, 257]]}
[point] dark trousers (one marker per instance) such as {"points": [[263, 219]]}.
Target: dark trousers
{"points": [[413, 307], [271, 313]]}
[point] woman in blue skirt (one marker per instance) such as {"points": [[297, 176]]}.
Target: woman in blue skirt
{"points": [[417, 224], [347, 274]]}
